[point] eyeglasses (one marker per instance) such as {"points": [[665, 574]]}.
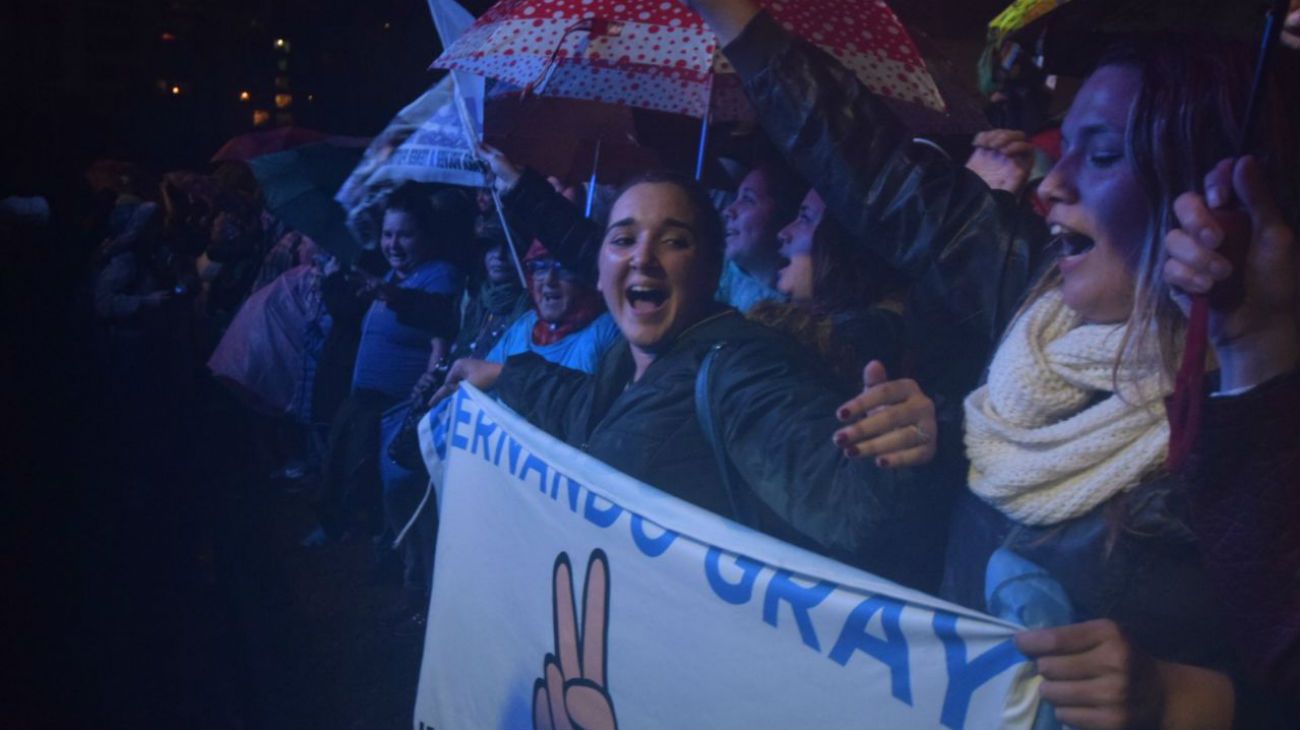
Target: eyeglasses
{"points": [[540, 268]]}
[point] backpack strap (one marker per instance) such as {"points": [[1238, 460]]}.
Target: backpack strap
{"points": [[741, 509]]}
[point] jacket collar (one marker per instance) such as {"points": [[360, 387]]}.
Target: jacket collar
{"points": [[614, 376]]}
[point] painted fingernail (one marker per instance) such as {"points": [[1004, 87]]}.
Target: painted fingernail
{"points": [[841, 440], [848, 453], [882, 462], [842, 414], [1209, 237]]}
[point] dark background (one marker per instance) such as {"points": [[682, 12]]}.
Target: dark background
{"points": [[93, 78]]}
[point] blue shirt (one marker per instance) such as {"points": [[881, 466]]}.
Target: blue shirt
{"points": [[580, 350], [393, 354], [742, 291]]}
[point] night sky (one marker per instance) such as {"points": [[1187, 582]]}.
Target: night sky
{"points": [[160, 81]]}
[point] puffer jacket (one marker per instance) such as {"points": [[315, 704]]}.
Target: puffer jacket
{"points": [[775, 404], [970, 255]]}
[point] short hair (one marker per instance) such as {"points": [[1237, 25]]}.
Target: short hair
{"points": [[708, 222], [785, 186], [445, 218]]}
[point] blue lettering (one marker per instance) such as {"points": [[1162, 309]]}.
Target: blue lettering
{"points": [[483, 428], [459, 415], [534, 464], [574, 489], [735, 593], [892, 650], [801, 598], [600, 516], [652, 547], [965, 677], [514, 448], [501, 447]]}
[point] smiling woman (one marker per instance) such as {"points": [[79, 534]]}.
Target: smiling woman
{"points": [[777, 468]]}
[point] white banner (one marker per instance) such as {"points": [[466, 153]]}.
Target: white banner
{"points": [[568, 595]]}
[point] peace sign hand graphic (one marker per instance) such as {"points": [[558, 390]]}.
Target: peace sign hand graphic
{"points": [[571, 693]]}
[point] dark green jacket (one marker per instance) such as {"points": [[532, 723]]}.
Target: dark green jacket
{"points": [[776, 406]]}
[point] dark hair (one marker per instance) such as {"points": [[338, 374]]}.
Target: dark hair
{"points": [[445, 218], [785, 186], [708, 223], [846, 276]]}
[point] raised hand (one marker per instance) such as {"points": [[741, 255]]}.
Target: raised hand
{"points": [[504, 172], [1003, 158], [891, 420], [1257, 339], [571, 693]]}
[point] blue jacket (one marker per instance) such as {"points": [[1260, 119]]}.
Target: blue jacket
{"points": [[581, 350]]}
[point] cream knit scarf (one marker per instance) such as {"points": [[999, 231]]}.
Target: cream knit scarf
{"points": [[1047, 437]]}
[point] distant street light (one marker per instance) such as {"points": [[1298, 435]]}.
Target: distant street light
{"points": [[176, 90], [245, 96]]}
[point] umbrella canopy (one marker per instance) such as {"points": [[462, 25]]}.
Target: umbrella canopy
{"points": [[298, 186], [568, 138], [659, 55], [247, 146]]}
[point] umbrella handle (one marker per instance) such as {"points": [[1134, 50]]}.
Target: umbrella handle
{"points": [[704, 144], [591, 185], [1272, 30], [704, 136]]}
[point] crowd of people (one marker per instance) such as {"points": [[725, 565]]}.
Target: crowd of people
{"points": [[914, 364]]}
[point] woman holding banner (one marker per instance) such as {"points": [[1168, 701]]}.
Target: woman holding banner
{"points": [[1067, 437], [767, 404]]}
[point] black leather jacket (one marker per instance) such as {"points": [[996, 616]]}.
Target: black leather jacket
{"points": [[968, 252]]}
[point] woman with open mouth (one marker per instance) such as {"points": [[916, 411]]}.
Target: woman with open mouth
{"points": [[1067, 435], [777, 466], [844, 304]]}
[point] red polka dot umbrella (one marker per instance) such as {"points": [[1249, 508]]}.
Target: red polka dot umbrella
{"points": [[658, 54]]}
